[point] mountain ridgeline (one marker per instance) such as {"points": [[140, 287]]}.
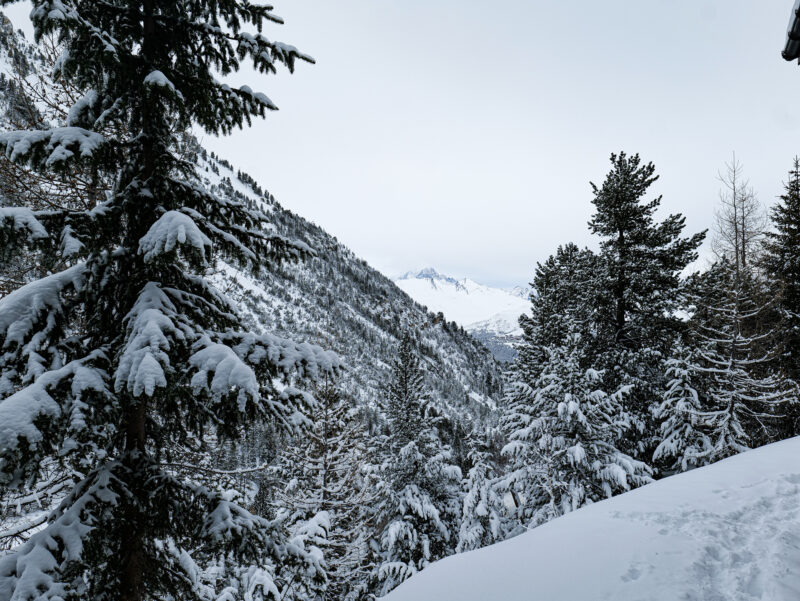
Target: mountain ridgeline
{"points": [[338, 301], [333, 299]]}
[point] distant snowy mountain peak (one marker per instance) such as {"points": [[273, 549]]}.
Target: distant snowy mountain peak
{"points": [[520, 291], [433, 277], [490, 314], [422, 274]]}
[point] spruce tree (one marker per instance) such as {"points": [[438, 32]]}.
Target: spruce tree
{"points": [[417, 488], [641, 262], [563, 297], [562, 293], [783, 263], [743, 396], [129, 352]]}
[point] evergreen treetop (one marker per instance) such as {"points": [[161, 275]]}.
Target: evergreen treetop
{"points": [[643, 259]]}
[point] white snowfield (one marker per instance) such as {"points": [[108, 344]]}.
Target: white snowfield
{"points": [[727, 532]]}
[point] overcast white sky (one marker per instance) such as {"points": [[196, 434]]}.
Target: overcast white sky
{"points": [[463, 135]]}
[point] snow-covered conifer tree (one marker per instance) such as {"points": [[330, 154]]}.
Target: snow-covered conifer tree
{"points": [[481, 516], [563, 290], [324, 471], [783, 263], [562, 431], [638, 288], [129, 351], [743, 393], [417, 488], [683, 437]]}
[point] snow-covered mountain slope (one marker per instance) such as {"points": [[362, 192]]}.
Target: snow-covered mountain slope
{"points": [[727, 532], [338, 301], [333, 299], [490, 314]]}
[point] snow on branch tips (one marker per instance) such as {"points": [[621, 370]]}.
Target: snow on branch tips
{"points": [[35, 570], [23, 220], [221, 371], [52, 148], [286, 356], [23, 414], [24, 309], [171, 230], [158, 79], [150, 329]]}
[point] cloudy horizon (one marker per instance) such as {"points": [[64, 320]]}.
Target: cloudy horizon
{"points": [[447, 135]]}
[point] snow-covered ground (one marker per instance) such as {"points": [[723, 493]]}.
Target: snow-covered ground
{"points": [[468, 303], [727, 532]]}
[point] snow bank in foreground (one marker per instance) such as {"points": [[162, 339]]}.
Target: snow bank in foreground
{"points": [[727, 532]]}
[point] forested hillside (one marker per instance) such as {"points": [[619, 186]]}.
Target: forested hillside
{"points": [[204, 396], [337, 300]]}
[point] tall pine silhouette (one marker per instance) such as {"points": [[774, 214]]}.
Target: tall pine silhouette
{"points": [[637, 294]]}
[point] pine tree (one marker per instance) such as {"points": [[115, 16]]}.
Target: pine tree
{"points": [[481, 515], [417, 488], [783, 263], [129, 352], [562, 431], [562, 295], [641, 263]]}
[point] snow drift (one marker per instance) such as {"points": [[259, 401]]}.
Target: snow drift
{"points": [[727, 532]]}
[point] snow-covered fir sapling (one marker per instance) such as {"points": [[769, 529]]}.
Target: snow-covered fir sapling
{"points": [[481, 514], [130, 351], [681, 413], [325, 475]]}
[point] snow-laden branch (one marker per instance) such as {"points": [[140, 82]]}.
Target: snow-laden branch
{"points": [[288, 356], [220, 371], [151, 329], [22, 219], [37, 565], [173, 229], [50, 148], [24, 309], [216, 472], [22, 413]]}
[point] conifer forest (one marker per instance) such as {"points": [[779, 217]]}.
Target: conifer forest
{"points": [[206, 397]]}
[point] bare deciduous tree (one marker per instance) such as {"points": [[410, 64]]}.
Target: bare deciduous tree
{"points": [[740, 220]]}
